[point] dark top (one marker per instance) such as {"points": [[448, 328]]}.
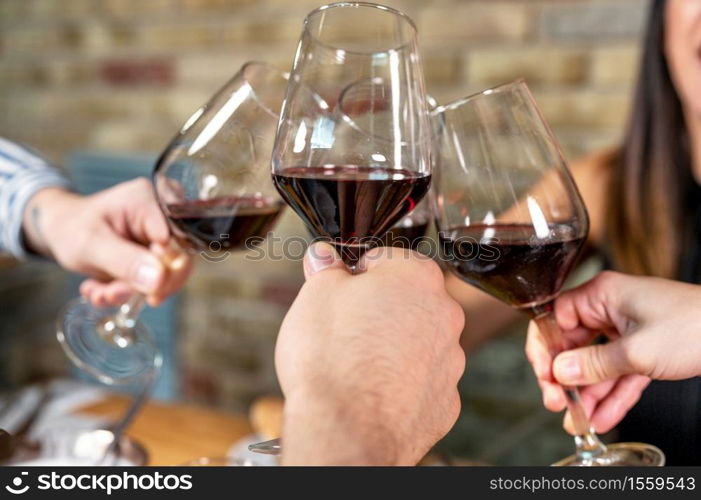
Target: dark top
{"points": [[668, 414]]}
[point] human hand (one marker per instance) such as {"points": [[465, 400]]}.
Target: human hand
{"points": [[118, 236], [653, 330], [369, 364]]}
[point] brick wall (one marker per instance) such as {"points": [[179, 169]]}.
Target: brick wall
{"points": [[123, 75]]}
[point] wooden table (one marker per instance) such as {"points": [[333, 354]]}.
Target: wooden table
{"points": [[174, 434]]}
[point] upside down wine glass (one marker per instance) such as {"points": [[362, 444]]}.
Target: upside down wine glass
{"points": [[512, 223], [212, 184]]}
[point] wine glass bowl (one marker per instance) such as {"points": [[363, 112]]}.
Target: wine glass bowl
{"points": [[512, 223], [409, 231], [504, 193], [212, 181], [351, 155]]}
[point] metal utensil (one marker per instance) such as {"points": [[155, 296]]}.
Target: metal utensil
{"points": [[113, 450]]}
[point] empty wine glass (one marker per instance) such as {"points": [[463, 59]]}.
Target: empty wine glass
{"points": [[512, 223], [212, 183]]}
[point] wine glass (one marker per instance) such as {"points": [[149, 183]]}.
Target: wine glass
{"points": [[351, 156], [212, 183], [512, 223], [409, 231]]}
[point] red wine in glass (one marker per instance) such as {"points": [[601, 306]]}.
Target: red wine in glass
{"points": [[406, 235], [352, 207], [226, 222], [516, 263]]}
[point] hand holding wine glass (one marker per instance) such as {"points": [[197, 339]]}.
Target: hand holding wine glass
{"points": [[512, 223], [638, 315], [351, 154], [107, 236], [212, 185], [340, 409]]}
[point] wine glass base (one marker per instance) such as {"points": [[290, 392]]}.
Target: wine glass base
{"points": [[620, 455], [78, 332], [221, 462]]}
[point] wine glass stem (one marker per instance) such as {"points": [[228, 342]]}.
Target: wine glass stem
{"points": [[173, 257], [129, 312], [587, 442]]}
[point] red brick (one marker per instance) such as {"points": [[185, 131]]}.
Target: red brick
{"points": [[130, 72]]}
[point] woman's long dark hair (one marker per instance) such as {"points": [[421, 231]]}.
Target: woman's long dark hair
{"points": [[646, 221]]}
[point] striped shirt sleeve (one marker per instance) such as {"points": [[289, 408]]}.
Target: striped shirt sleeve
{"points": [[22, 174]]}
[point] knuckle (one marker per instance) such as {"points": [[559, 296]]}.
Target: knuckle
{"points": [[431, 266], [598, 365], [140, 183], [457, 316], [644, 360], [326, 279], [454, 408], [460, 363], [426, 271], [605, 278]]}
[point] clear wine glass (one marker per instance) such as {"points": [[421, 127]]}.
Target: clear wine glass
{"points": [[212, 183], [351, 155], [512, 223], [409, 231]]}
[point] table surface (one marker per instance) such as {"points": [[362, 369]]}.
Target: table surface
{"points": [[174, 434]]}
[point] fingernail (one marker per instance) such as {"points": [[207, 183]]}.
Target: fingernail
{"points": [[148, 275], [549, 398], [320, 256], [567, 368]]}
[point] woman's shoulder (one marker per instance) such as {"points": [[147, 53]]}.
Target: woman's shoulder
{"points": [[592, 174], [592, 166]]}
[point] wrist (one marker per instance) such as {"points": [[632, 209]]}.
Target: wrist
{"points": [[46, 213], [333, 427]]}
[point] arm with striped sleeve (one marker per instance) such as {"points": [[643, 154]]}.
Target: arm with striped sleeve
{"points": [[115, 236], [22, 175]]}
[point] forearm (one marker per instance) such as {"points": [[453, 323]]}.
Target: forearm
{"points": [[42, 216], [322, 430]]}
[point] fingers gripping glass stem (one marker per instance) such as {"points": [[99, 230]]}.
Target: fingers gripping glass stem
{"points": [[119, 328], [587, 442]]}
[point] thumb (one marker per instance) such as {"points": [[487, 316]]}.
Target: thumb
{"points": [[592, 364], [129, 262], [321, 256]]}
